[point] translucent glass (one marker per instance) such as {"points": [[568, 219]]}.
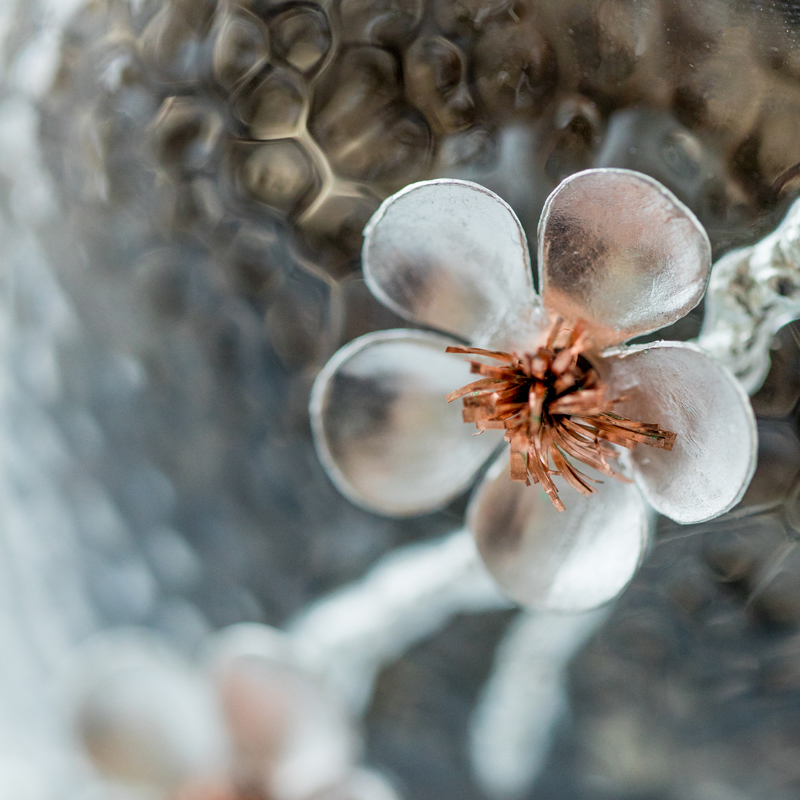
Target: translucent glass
{"points": [[620, 251], [683, 390], [453, 256], [382, 427], [144, 716], [567, 561], [291, 738], [363, 784], [153, 403]]}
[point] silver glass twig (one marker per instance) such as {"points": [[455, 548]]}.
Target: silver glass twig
{"points": [[752, 293]]}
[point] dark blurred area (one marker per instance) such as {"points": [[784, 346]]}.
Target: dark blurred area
{"points": [[215, 163]]}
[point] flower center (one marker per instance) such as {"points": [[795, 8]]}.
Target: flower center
{"points": [[553, 405]]}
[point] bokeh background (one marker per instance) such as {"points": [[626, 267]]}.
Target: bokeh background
{"points": [[183, 185]]}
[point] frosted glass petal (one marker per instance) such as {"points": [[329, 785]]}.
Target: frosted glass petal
{"points": [[619, 250], [144, 716], [571, 560], [291, 738], [383, 430], [684, 390], [452, 255]]}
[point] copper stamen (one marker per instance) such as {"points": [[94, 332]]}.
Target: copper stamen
{"points": [[553, 408]]}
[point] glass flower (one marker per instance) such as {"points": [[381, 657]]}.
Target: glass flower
{"points": [[619, 257]]}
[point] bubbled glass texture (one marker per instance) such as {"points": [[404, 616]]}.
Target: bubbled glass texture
{"points": [[214, 165]]}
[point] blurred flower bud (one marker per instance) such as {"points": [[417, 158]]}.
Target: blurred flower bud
{"points": [[144, 716], [291, 739]]}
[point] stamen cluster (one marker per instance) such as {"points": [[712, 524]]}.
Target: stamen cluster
{"points": [[553, 407]]}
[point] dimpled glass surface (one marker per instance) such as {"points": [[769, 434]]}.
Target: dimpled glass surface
{"points": [[184, 189]]}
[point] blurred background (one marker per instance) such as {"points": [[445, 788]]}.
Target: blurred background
{"points": [[183, 185]]}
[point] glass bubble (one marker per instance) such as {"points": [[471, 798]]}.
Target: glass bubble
{"points": [[274, 108], [302, 37], [185, 134], [173, 39], [365, 128], [384, 22], [435, 74], [280, 174], [339, 216], [241, 48], [362, 84], [515, 69]]}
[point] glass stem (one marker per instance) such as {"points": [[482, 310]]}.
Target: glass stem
{"points": [[408, 595], [752, 293]]}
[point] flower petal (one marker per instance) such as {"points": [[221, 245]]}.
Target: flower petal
{"points": [[145, 716], [684, 390], [619, 250], [384, 432], [452, 255], [572, 560], [291, 736]]}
